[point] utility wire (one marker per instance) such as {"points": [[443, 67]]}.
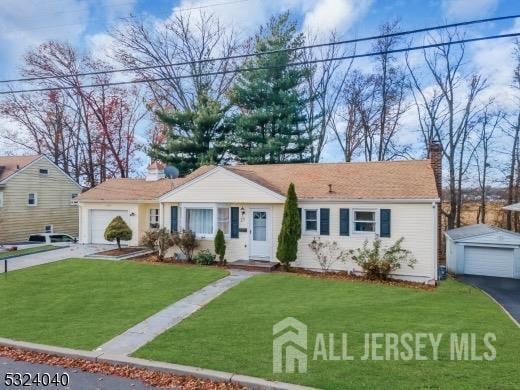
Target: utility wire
{"points": [[251, 69], [247, 55]]}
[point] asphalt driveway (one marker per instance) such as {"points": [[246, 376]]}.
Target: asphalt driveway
{"points": [[69, 251], [506, 291]]}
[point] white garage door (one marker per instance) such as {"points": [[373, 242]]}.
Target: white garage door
{"points": [[99, 220], [488, 261]]}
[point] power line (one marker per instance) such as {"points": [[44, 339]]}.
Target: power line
{"points": [[300, 63], [248, 55]]}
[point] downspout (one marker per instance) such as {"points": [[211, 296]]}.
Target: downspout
{"points": [[435, 207]]}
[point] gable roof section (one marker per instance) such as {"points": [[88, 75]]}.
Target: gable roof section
{"points": [[10, 165], [137, 189], [389, 180], [478, 230]]}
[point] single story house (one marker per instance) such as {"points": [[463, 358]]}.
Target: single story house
{"points": [[483, 250], [36, 196], [344, 202]]}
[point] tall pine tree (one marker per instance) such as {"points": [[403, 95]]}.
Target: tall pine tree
{"points": [[195, 136], [269, 125]]}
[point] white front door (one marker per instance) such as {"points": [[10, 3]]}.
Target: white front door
{"points": [[260, 234]]}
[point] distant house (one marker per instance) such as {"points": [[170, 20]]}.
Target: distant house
{"points": [[35, 196], [345, 202]]}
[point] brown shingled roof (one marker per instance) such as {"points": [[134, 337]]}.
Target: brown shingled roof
{"points": [[137, 189], [411, 179], [9, 165]]}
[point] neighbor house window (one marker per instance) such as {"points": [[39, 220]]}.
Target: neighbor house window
{"points": [[154, 218], [74, 195], [364, 221], [1, 199], [32, 199], [223, 220], [311, 220], [44, 172], [48, 229], [199, 220]]}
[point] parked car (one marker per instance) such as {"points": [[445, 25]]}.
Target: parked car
{"points": [[51, 238]]}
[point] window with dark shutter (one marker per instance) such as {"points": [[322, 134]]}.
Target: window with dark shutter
{"points": [[344, 222], [234, 222], [174, 219], [324, 222], [385, 223]]}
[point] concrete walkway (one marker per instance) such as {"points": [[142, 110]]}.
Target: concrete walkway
{"points": [[144, 332], [69, 251]]}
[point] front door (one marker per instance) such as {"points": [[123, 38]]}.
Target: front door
{"points": [[260, 235]]}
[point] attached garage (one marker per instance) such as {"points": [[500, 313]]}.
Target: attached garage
{"points": [[483, 250], [99, 220]]}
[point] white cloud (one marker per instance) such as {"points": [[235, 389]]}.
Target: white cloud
{"points": [[465, 9], [26, 23], [340, 15]]}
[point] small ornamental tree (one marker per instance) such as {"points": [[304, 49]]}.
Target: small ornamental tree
{"points": [[220, 246], [290, 232], [118, 230]]}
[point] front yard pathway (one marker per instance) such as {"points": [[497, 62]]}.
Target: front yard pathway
{"points": [[69, 251], [139, 335]]}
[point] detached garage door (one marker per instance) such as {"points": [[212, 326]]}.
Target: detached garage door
{"points": [[488, 261], [99, 220]]}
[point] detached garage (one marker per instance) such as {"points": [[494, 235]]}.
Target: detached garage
{"points": [[483, 250]]}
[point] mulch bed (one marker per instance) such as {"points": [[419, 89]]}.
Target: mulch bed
{"points": [[358, 278], [331, 275], [149, 377], [120, 252]]}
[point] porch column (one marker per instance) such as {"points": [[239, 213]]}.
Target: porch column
{"points": [[161, 215]]}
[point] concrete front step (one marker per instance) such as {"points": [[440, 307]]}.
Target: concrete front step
{"points": [[255, 265]]}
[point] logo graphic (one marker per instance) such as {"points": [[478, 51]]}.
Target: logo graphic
{"points": [[290, 339]]}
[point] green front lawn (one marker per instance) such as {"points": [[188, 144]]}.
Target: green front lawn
{"points": [[26, 251], [84, 303], [234, 333]]}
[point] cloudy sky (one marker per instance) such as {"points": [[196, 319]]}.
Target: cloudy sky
{"points": [[26, 23]]}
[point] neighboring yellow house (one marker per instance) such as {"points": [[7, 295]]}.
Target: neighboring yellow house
{"points": [[36, 196], [343, 202]]}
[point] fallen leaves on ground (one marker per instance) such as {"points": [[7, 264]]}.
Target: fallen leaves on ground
{"points": [[149, 377]]}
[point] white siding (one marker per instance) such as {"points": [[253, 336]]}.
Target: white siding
{"points": [[414, 222], [221, 186]]}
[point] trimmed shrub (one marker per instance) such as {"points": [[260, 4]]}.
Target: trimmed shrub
{"points": [[327, 253], [118, 230], [291, 231], [158, 240], [220, 246], [379, 262], [205, 257]]}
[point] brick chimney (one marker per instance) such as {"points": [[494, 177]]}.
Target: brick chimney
{"points": [[435, 154]]}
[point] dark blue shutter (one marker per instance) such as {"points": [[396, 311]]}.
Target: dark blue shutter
{"points": [[234, 222], [174, 219], [344, 222], [324, 222], [385, 219]]}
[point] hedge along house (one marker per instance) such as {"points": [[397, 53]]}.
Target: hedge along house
{"points": [[345, 202]]}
